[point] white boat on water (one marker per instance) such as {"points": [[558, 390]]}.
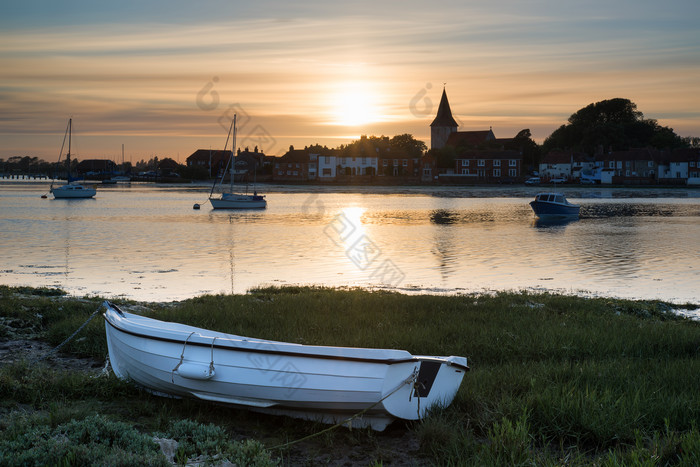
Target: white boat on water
{"points": [[326, 384], [230, 199], [72, 189]]}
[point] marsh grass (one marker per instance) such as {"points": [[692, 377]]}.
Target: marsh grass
{"points": [[555, 379]]}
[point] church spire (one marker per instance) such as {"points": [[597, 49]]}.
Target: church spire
{"points": [[443, 125], [444, 115]]}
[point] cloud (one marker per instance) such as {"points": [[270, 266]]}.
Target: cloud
{"points": [[504, 64]]}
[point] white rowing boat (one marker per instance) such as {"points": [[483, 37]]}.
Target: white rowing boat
{"points": [[327, 384]]}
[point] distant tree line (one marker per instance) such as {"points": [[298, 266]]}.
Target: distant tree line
{"points": [[613, 124]]}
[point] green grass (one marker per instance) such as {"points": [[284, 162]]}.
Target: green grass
{"points": [[555, 379]]}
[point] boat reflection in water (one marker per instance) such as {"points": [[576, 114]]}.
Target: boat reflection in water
{"points": [[553, 222]]}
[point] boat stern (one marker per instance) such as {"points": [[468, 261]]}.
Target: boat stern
{"points": [[427, 382]]}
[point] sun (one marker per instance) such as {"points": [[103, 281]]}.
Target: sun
{"points": [[354, 104]]}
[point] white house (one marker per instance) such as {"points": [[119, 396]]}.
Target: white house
{"points": [[327, 165], [362, 165]]}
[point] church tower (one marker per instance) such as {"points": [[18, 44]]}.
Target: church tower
{"points": [[443, 125]]}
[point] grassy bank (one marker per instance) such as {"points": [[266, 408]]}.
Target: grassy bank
{"points": [[555, 379]]}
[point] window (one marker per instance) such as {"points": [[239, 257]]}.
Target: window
{"points": [[512, 163], [627, 173], [619, 164], [277, 165], [405, 162], [385, 162], [496, 172], [481, 163], [497, 163], [651, 164], [465, 171], [611, 164], [426, 171], [692, 163], [464, 163], [296, 173], [512, 172], [297, 166], [327, 159], [364, 161], [327, 172]]}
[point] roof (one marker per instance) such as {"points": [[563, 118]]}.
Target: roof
{"points": [[205, 154], [685, 155], [564, 157], [639, 154], [470, 138], [507, 154], [444, 114], [295, 155]]}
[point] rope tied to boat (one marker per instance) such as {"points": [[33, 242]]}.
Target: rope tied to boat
{"points": [[410, 380], [211, 363], [182, 358], [55, 349]]}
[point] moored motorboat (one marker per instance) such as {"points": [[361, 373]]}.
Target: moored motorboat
{"points": [[323, 383], [554, 206]]}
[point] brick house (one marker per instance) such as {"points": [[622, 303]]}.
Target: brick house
{"points": [[295, 166], [632, 167], [489, 166], [214, 161]]}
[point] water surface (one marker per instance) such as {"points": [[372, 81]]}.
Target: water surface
{"points": [[146, 242]]}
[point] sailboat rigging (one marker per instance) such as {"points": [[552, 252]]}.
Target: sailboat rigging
{"points": [[71, 189], [230, 199]]}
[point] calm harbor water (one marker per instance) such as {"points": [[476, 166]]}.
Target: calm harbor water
{"points": [[146, 242]]}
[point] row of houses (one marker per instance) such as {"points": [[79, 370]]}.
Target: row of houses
{"points": [[301, 165], [645, 166], [476, 157], [633, 167]]}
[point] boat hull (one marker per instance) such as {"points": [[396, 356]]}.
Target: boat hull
{"points": [[73, 192], [554, 211], [233, 201], [327, 384]]}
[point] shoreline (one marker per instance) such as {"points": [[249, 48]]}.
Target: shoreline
{"points": [[552, 377]]}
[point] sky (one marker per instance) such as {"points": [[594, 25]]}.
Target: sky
{"points": [[164, 78]]}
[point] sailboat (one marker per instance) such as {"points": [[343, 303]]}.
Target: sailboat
{"points": [[71, 189], [229, 199]]}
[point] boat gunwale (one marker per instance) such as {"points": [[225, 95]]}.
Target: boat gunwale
{"points": [[233, 347]]}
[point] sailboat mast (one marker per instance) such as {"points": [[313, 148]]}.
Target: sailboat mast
{"points": [[233, 153], [70, 129]]}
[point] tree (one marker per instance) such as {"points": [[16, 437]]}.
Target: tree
{"points": [[408, 145], [610, 124], [524, 143]]}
